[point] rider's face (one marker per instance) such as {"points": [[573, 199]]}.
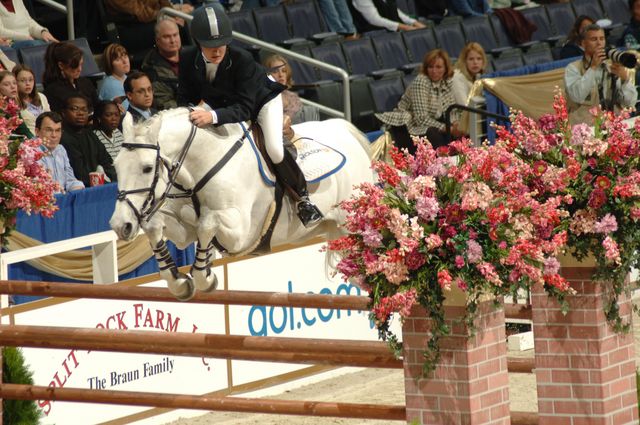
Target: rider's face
{"points": [[214, 54]]}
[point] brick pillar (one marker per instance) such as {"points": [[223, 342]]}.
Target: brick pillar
{"points": [[585, 371], [470, 385]]}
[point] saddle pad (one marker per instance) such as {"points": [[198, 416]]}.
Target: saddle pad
{"points": [[317, 161]]}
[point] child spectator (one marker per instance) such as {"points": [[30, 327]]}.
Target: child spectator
{"points": [[9, 89], [48, 127], [86, 153], [470, 65], [116, 66], [32, 103], [106, 119]]}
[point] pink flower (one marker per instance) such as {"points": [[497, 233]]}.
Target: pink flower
{"points": [[607, 224], [433, 241], [551, 265], [597, 199], [611, 251], [459, 261], [445, 279], [474, 251], [427, 208]]}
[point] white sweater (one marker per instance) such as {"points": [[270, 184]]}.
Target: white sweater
{"points": [[19, 25], [461, 87]]}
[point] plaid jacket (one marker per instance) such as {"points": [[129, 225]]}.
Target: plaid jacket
{"points": [[421, 105]]}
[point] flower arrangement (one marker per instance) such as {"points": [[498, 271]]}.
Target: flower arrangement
{"points": [[457, 216], [595, 170], [24, 183]]}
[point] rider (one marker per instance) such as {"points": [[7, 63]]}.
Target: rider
{"points": [[236, 88]]}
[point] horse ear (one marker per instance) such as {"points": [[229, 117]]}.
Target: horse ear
{"points": [[127, 127]]}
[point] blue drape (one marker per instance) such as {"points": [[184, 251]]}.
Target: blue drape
{"points": [[80, 213], [497, 106]]}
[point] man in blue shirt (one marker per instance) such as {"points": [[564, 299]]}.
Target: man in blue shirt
{"points": [[49, 130]]}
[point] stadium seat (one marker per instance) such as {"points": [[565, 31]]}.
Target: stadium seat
{"points": [[305, 18], [408, 79], [34, 58], [392, 51], [538, 53], [589, 7], [242, 21], [617, 11], [330, 53], [89, 67], [11, 53], [509, 59], [302, 73], [407, 6], [450, 35], [478, 29], [361, 56], [501, 34], [561, 16], [386, 93], [272, 25], [538, 15], [419, 42]]}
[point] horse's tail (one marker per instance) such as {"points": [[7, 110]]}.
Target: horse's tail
{"points": [[360, 137]]}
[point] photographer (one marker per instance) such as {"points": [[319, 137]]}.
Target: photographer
{"points": [[595, 80]]}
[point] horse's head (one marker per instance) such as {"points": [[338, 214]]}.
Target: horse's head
{"points": [[141, 177]]}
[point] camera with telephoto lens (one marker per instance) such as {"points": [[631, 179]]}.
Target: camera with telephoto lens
{"points": [[622, 57]]}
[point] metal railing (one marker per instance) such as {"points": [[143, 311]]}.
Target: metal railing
{"points": [[290, 55], [68, 10], [474, 114]]}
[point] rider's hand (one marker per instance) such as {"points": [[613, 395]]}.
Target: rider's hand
{"points": [[201, 118]]}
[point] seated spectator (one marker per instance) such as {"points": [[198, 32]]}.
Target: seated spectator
{"points": [[116, 66], [9, 89], [17, 25], [86, 153], [370, 15], [32, 103], [572, 47], [470, 65], [63, 66], [144, 11], [139, 91], [432, 9], [470, 7], [106, 119], [631, 36], [162, 62], [420, 111], [337, 16], [48, 128]]}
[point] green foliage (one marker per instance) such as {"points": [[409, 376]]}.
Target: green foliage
{"points": [[15, 371]]}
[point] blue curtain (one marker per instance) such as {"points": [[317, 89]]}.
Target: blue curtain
{"points": [[80, 213], [497, 106]]}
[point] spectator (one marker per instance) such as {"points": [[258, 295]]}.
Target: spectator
{"points": [[86, 153], [420, 111], [116, 66], [337, 16], [63, 66], [17, 26], [593, 80], [572, 48], [32, 103], [631, 36], [139, 91], [48, 128], [470, 7], [370, 15], [106, 119], [432, 9], [470, 65], [9, 89], [161, 64], [145, 11]]}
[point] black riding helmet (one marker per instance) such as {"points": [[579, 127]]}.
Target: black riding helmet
{"points": [[211, 26]]}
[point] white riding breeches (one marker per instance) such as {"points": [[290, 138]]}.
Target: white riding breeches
{"points": [[270, 119]]}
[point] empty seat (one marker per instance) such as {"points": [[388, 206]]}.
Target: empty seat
{"points": [[34, 58], [450, 35], [538, 53], [509, 59], [419, 42], [386, 93], [407, 6], [392, 51], [272, 24], [617, 11], [330, 53], [408, 79], [590, 8], [302, 73], [538, 16], [305, 19], [498, 30], [361, 56], [89, 67], [478, 29], [562, 17], [242, 21], [11, 53]]}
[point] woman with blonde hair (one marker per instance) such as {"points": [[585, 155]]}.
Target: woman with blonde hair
{"points": [[280, 70], [421, 109], [32, 103], [471, 63]]}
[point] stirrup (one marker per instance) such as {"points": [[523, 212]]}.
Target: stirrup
{"points": [[308, 213]]}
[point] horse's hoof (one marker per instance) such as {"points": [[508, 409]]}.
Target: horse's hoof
{"points": [[213, 285], [183, 287]]}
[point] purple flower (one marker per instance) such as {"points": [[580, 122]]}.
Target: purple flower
{"points": [[607, 224], [427, 208], [371, 237]]}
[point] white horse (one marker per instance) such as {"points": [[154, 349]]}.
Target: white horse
{"points": [[160, 181]]}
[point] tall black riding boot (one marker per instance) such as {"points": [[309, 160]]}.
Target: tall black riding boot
{"points": [[290, 174]]}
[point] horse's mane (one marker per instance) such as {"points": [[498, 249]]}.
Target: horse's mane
{"points": [[155, 123]]}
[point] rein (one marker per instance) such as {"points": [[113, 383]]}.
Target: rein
{"points": [[151, 205]]}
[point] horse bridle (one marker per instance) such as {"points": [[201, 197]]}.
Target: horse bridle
{"points": [[151, 205]]}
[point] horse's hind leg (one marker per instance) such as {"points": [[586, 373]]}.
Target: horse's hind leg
{"points": [[179, 284], [204, 278]]}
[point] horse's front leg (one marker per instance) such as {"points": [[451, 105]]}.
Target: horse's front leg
{"points": [[204, 278], [179, 284]]}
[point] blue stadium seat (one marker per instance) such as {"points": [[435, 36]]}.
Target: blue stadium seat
{"points": [[590, 8], [89, 67], [272, 25], [360, 56], [392, 51], [450, 35], [617, 11], [562, 17], [501, 34], [408, 79], [242, 21], [11, 53], [34, 58], [478, 29], [386, 93], [330, 53], [538, 15], [509, 59], [407, 6], [537, 54], [419, 42], [305, 18], [302, 73]]}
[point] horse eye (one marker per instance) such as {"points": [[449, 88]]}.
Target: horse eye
{"points": [[147, 169]]}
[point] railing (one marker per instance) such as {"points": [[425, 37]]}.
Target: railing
{"points": [[291, 55], [474, 112], [68, 10]]}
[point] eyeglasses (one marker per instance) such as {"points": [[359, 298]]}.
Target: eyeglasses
{"points": [[78, 109]]}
